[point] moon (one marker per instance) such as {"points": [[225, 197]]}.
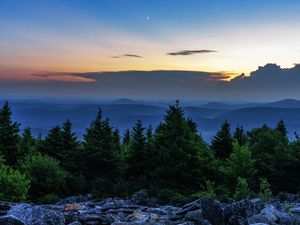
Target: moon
{"points": [[147, 18]]}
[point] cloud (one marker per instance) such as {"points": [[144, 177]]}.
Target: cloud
{"points": [[191, 52], [269, 82], [62, 77], [126, 56]]}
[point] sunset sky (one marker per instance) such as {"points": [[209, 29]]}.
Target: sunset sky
{"points": [[63, 37]]}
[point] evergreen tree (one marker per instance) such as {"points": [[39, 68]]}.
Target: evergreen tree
{"points": [[149, 134], [281, 128], [53, 143], [116, 141], [39, 143], [271, 155], [69, 138], [27, 143], [101, 158], [222, 142], [180, 160], [127, 137], [239, 135], [137, 155], [69, 148], [239, 165], [149, 139], [9, 136], [242, 191]]}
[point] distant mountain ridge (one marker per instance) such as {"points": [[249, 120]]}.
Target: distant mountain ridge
{"points": [[123, 113]]}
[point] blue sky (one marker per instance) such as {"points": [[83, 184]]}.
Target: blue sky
{"points": [[77, 36]]}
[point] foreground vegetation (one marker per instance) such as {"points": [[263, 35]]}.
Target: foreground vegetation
{"points": [[172, 161]]}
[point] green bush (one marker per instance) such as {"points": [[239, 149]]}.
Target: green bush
{"points": [[242, 191], [46, 176], [208, 191], [265, 190], [13, 185]]}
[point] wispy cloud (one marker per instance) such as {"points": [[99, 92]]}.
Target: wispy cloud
{"points": [[126, 56], [191, 52], [63, 77]]}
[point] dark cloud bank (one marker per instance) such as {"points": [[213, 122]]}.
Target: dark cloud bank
{"points": [[270, 82]]}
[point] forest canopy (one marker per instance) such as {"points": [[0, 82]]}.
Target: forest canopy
{"points": [[172, 161]]}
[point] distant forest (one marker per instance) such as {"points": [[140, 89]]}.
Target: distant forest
{"points": [[172, 162]]}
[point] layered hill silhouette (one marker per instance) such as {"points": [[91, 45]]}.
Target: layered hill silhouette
{"points": [[123, 113]]}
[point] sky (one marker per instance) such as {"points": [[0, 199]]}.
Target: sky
{"points": [[53, 45]]}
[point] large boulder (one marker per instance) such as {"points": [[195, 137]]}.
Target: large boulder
{"points": [[241, 209], [36, 215], [212, 211], [270, 215]]}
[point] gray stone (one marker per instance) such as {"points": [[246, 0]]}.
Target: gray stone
{"points": [[10, 220], [75, 223], [244, 209], [212, 211], [36, 215], [237, 220], [195, 215], [295, 210]]}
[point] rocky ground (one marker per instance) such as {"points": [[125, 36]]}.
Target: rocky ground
{"points": [[83, 210]]}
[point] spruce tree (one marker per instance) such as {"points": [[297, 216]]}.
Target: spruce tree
{"points": [[137, 155], [180, 160], [53, 143], [281, 128], [27, 143], [9, 136], [271, 154], [149, 138], [126, 137], [101, 158], [222, 142], [116, 141], [69, 148], [239, 135], [239, 164]]}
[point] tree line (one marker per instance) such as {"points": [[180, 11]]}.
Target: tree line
{"points": [[172, 161]]}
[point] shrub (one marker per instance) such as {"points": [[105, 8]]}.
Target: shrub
{"points": [[265, 190], [45, 174], [208, 191], [13, 185], [242, 191]]}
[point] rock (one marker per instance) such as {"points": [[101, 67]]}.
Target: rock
{"points": [[237, 220], [10, 220], [73, 207], [295, 210], [75, 223], [270, 215], [5, 206], [75, 199], [259, 224], [195, 205], [212, 211], [244, 209], [36, 215], [195, 215]]}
